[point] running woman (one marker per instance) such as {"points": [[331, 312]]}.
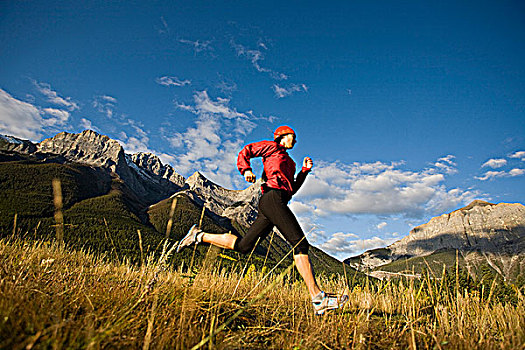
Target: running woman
{"points": [[278, 188]]}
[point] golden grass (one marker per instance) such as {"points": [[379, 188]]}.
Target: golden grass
{"points": [[51, 297]]}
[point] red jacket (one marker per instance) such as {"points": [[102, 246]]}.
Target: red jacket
{"points": [[279, 168]]}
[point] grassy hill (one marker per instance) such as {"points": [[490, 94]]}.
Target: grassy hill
{"points": [[26, 190], [433, 263], [98, 212]]}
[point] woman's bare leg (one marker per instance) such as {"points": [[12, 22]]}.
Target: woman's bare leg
{"points": [[225, 240], [302, 261]]}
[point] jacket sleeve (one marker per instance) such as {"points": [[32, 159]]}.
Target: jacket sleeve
{"points": [[253, 150], [299, 179]]}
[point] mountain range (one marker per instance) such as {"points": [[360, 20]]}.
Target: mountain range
{"points": [[110, 196]]}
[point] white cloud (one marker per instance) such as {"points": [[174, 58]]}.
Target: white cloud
{"points": [[108, 99], [59, 117], [205, 105], [445, 200], [381, 225], [138, 142], [86, 124], [185, 107], [446, 164], [165, 29], [134, 145], [448, 159], [20, 119], [516, 172], [490, 175], [255, 57], [227, 87], [281, 92], [300, 208], [379, 189], [198, 46], [172, 81], [211, 145], [105, 104], [495, 163], [344, 244], [519, 155], [55, 98]]}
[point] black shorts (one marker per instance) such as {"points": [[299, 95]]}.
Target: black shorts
{"points": [[274, 211]]}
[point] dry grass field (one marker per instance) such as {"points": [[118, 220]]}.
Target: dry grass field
{"points": [[55, 298]]}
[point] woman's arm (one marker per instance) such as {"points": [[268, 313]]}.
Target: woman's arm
{"points": [[299, 180], [252, 150]]}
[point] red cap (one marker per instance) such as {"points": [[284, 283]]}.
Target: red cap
{"points": [[282, 130]]}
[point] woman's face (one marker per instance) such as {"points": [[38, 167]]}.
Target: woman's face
{"points": [[288, 141]]}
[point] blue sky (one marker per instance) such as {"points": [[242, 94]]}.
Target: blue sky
{"points": [[409, 109]]}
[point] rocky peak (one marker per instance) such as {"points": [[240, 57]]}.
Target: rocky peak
{"points": [[237, 205], [148, 161], [200, 184], [143, 173], [87, 147], [209, 190], [11, 143], [197, 180], [153, 164], [479, 225], [475, 203]]}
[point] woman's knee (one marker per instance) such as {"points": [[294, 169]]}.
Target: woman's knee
{"points": [[242, 246], [301, 247]]}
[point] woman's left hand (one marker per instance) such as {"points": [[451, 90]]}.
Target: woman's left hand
{"points": [[308, 163]]}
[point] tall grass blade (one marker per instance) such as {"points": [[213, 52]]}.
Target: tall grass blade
{"points": [[59, 217]]}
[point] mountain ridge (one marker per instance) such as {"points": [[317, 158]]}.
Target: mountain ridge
{"points": [[485, 232], [141, 183], [144, 173]]}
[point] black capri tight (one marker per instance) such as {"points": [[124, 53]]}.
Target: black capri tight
{"points": [[274, 211]]}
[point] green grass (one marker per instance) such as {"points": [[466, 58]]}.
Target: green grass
{"points": [[434, 261], [25, 188]]}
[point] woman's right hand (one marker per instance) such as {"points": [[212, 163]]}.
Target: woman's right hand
{"points": [[249, 176]]}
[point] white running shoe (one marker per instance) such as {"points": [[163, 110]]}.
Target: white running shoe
{"points": [[325, 301], [190, 238]]}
